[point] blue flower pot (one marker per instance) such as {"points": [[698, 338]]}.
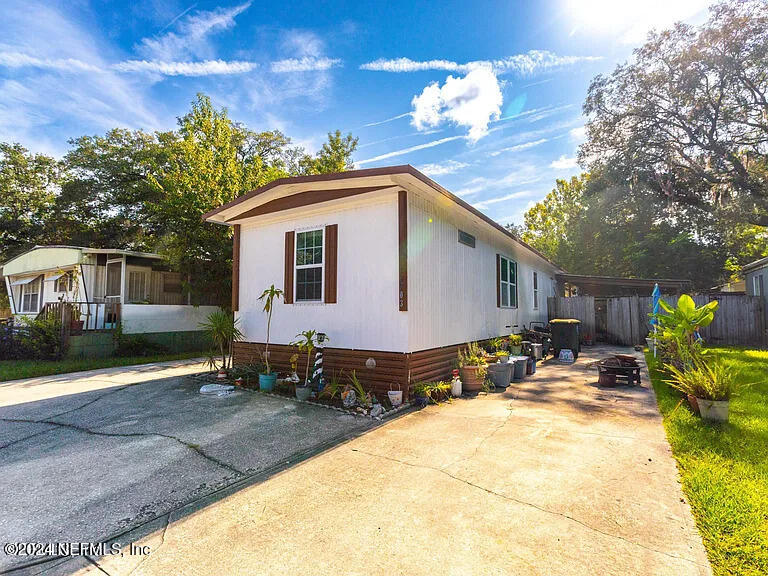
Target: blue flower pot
{"points": [[267, 382]]}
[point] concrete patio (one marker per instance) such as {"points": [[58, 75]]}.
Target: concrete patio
{"points": [[553, 476]]}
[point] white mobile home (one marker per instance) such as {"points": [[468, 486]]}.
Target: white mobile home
{"points": [[386, 262], [105, 287]]}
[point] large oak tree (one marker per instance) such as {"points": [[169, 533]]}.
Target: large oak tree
{"points": [[688, 116]]}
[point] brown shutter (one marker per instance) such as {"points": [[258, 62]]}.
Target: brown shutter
{"points": [[402, 237], [236, 268], [331, 263], [290, 240], [498, 280]]}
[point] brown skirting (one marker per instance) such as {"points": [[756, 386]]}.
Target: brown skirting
{"points": [[392, 368]]}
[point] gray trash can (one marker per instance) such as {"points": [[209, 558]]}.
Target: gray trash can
{"points": [[520, 366], [500, 374]]}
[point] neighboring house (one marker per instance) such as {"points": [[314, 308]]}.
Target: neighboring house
{"points": [[105, 287], [756, 280], [386, 262]]}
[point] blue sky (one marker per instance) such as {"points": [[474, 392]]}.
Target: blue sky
{"points": [[485, 97]]}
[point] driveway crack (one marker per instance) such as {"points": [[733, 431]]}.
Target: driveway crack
{"points": [[525, 503], [194, 447], [108, 393]]}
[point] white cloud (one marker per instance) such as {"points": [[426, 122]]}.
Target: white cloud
{"points": [[203, 68], [392, 119], [519, 147], [498, 199], [578, 134], [472, 101], [21, 60], [190, 38], [527, 64], [630, 22], [440, 169], [304, 64], [73, 65], [62, 85], [408, 65], [403, 151], [564, 163]]}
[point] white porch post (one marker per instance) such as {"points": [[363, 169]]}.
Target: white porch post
{"points": [[11, 298], [123, 279]]}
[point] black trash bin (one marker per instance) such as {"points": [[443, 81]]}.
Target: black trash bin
{"points": [[565, 335]]}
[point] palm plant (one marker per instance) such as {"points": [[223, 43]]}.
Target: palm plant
{"points": [[222, 329], [269, 296], [707, 380]]}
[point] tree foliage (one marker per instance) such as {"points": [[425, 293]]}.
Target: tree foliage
{"points": [[688, 117], [28, 190], [147, 191]]}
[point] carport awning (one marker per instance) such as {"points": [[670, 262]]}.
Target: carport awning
{"points": [[23, 281]]}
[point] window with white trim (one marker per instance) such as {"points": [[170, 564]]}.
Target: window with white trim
{"points": [[309, 265], [64, 282], [508, 283], [535, 290], [757, 285], [30, 296]]}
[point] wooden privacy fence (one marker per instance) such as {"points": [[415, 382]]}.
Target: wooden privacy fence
{"points": [[581, 308], [739, 321]]}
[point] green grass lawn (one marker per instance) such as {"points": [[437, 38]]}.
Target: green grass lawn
{"points": [[15, 369], [724, 468]]}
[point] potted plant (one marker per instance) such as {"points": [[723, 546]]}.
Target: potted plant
{"points": [[472, 367], [221, 328], [515, 344], [395, 396], [588, 340], [711, 384], [306, 343], [268, 378], [500, 352]]}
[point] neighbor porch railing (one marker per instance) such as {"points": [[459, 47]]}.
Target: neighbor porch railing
{"points": [[78, 317]]}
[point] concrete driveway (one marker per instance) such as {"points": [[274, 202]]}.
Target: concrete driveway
{"points": [[554, 476], [86, 456]]}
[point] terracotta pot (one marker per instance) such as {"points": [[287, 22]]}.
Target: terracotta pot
{"points": [[471, 380], [694, 404]]}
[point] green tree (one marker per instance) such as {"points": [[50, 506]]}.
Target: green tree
{"points": [[688, 117], [334, 156], [550, 225], [28, 187], [107, 189]]}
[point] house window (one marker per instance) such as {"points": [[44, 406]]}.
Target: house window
{"points": [[309, 265], [757, 284], [466, 238], [508, 283], [64, 282], [137, 282], [30, 296], [535, 290]]}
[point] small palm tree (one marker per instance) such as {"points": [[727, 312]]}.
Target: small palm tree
{"points": [[221, 327], [269, 296]]}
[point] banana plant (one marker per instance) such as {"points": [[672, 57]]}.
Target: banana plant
{"points": [[686, 317]]}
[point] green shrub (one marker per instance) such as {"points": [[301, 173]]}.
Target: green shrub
{"points": [[135, 344], [40, 338], [713, 380]]}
